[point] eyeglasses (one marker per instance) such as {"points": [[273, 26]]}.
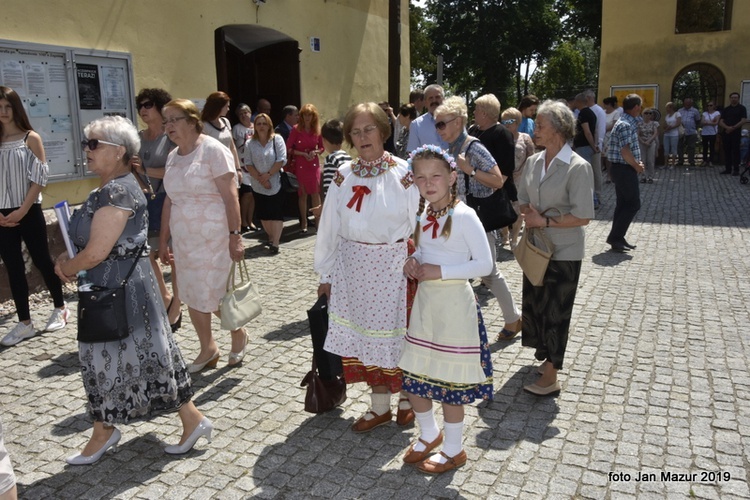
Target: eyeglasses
{"points": [[711, 105], [92, 144], [172, 121], [365, 131], [145, 104], [647, 113], [442, 124], [509, 121]]}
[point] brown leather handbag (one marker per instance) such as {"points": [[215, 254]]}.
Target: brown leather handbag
{"points": [[326, 388]]}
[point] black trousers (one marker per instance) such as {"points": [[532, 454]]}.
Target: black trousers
{"points": [[628, 194], [33, 231], [732, 158]]}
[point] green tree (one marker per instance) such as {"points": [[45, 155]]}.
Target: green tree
{"points": [[423, 61], [485, 43], [563, 74]]}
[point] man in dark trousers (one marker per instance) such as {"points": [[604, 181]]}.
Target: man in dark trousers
{"points": [[733, 117], [624, 155]]}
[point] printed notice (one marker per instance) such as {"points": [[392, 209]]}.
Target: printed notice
{"points": [[114, 87], [36, 79], [12, 76], [89, 91]]}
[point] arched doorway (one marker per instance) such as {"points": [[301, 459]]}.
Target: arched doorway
{"points": [[702, 82], [254, 62]]}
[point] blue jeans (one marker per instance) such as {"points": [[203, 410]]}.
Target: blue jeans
{"points": [[628, 194]]}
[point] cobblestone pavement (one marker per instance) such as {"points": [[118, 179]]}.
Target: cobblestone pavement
{"points": [[656, 381]]}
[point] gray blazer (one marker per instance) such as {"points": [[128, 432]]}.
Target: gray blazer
{"points": [[568, 186]]}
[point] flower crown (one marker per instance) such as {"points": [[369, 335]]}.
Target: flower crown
{"points": [[434, 149]]}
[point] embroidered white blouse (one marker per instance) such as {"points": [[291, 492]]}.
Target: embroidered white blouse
{"points": [[379, 209], [466, 252]]}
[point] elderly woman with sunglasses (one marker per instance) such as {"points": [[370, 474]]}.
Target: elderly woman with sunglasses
{"points": [[143, 374], [480, 176], [369, 214], [149, 164]]}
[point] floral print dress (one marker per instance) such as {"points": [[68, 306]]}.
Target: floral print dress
{"points": [[144, 373]]}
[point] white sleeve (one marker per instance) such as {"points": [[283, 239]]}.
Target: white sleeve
{"points": [[472, 231], [328, 238]]}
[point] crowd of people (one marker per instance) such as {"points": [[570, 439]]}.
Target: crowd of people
{"points": [[184, 189]]}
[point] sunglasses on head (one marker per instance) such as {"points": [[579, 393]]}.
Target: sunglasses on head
{"points": [[509, 121], [443, 123], [145, 104], [92, 144]]}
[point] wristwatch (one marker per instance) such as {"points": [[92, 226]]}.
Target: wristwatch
{"points": [[235, 232], [473, 173]]}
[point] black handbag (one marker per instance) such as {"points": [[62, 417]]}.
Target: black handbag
{"points": [[102, 312], [495, 211], [326, 388]]}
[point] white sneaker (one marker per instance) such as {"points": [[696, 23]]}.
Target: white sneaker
{"points": [[58, 319], [18, 333]]}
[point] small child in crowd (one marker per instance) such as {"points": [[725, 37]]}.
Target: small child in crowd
{"points": [[333, 135], [332, 132], [446, 355]]}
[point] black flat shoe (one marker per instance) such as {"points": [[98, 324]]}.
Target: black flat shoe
{"points": [[177, 324], [619, 248], [629, 246]]}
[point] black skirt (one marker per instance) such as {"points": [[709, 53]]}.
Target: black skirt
{"points": [[547, 310], [269, 207]]}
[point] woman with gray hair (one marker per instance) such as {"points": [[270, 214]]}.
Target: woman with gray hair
{"points": [[143, 374], [479, 176], [558, 180]]}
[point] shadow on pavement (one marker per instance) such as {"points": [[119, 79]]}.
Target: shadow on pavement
{"points": [[609, 258], [515, 416], [132, 466], [64, 364], [324, 459]]}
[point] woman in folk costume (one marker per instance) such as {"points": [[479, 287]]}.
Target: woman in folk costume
{"points": [[446, 355], [361, 247]]}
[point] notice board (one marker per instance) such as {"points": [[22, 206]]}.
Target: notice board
{"points": [[63, 89]]}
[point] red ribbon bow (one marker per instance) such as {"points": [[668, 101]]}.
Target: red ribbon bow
{"points": [[359, 194], [433, 224]]}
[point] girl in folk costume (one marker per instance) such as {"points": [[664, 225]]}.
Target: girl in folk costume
{"points": [[446, 356], [360, 250]]}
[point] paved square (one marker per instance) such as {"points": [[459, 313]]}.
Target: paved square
{"points": [[655, 401]]}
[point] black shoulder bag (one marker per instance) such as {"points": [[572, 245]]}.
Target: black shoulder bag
{"points": [[102, 312], [495, 211]]}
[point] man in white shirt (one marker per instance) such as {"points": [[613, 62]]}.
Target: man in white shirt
{"points": [[601, 130], [422, 130]]}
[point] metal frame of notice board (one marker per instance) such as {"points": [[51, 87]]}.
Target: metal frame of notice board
{"points": [[63, 89]]}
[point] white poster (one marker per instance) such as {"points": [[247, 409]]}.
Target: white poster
{"points": [[36, 80], [12, 76], [113, 80]]}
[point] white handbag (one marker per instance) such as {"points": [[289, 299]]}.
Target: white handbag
{"points": [[241, 303]]}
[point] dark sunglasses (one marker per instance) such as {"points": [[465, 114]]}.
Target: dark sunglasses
{"points": [[92, 144], [442, 124], [146, 104]]}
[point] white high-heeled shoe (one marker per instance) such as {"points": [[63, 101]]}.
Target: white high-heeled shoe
{"points": [[79, 459], [210, 363], [205, 427], [235, 358]]}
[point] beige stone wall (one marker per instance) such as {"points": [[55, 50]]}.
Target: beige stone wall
{"points": [[639, 46], [172, 45]]}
